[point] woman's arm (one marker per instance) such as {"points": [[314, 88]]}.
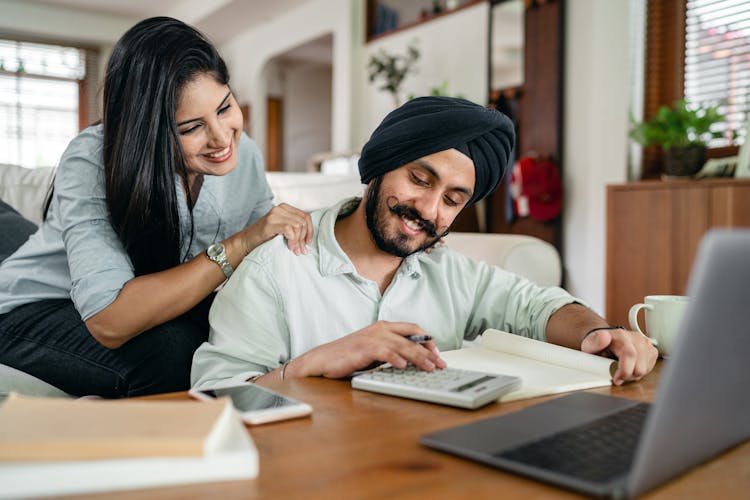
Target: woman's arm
{"points": [[150, 300], [115, 305]]}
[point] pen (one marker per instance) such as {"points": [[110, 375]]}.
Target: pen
{"points": [[419, 339]]}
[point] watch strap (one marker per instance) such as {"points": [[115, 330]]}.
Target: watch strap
{"points": [[217, 253], [226, 267]]}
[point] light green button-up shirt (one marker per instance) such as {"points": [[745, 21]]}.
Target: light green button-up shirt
{"points": [[278, 305]]}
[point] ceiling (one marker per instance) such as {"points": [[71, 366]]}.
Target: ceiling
{"points": [[139, 9], [220, 19]]}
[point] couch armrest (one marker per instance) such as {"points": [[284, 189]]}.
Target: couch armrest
{"points": [[531, 257]]}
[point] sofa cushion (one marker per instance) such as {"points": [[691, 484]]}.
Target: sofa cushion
{"points": [[25, 189], [528, 256], [15, 230], [311, 191], [12, 380]]}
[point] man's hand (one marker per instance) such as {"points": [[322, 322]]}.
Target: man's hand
{"points": [[635, 354], [383, 341]]}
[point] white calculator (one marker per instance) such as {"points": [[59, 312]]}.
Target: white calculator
{"points": [[449, 386]]}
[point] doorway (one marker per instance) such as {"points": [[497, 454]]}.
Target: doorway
{"points": [[299, 103], [274, 134]]}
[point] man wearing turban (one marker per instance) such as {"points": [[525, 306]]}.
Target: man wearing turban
{"points": [[367, 282]]}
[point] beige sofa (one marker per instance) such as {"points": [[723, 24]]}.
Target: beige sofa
{"points": [[25, 190]]}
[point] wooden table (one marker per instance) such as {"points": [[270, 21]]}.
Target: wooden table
{"points": [[364, 445]]}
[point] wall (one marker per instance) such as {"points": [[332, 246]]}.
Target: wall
{"points": [[453, 49], [61, 24], [596, 96], [305, 91], [307, 113], [247, 55]]}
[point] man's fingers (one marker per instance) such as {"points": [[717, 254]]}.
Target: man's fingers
{"points": [[634, 353], [420, 355], [597, 341], [439, 362], [402, 328], [625, 364], [393, 336]]}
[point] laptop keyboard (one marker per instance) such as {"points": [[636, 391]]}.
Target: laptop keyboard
{"points": [[599, 451]]}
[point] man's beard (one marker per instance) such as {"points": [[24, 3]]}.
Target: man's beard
{"points": [[398, 245]]}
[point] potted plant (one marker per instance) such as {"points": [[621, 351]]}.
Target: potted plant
{"points": [[683, 132], [392, 69], [440, 90]]}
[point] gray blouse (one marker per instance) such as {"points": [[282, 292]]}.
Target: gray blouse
{"points": [[76, 253]]}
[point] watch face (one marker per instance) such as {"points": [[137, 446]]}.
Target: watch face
{"points": [[215, 250]]}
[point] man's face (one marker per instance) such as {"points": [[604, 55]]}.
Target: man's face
{"points": [[412, 207]]}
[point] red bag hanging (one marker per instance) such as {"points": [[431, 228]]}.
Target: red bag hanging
{"points": [[536, 188]]}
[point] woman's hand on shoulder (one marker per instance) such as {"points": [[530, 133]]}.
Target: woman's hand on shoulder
{"points": [[293, 223]]}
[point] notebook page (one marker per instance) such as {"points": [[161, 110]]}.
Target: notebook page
{"points": [[497, 340]]}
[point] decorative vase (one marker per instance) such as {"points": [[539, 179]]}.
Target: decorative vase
{"points": [[684, 161]]}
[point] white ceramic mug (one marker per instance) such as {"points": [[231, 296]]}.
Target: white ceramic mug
{"points": [[663, 317]]}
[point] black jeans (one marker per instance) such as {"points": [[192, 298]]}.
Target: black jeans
{"points": [[48, 339]]}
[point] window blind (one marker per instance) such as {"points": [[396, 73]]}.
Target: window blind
{"points": [[717, 62], [39, 101]]}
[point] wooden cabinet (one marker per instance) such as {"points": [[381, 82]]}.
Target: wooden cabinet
{"points": [[653, 232]]}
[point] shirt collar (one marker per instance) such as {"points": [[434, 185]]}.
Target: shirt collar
{"points": [[333, 260]]}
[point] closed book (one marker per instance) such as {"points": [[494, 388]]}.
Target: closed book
{"points": [[543, 368], [52, 446]]}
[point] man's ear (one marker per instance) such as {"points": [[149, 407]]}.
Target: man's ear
{"points": [[370, 186]]}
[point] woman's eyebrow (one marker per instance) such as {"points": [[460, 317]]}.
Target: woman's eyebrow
{"points": [[223, 100], [217, 108]]}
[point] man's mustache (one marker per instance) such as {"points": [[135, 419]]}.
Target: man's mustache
{"points": [[411, 213]]}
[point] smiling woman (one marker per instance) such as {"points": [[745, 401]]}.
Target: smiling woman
{"points": [[152, 209], [209, 140]]}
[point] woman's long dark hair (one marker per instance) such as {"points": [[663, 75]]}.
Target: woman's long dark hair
{"points": [[146, 72]]}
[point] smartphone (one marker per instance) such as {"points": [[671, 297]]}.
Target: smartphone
{"points": [[256, 404]]}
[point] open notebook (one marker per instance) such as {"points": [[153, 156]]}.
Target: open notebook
{"points": [[543, 368]]}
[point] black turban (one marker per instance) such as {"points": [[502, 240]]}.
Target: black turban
{"points": [[428, 125]]}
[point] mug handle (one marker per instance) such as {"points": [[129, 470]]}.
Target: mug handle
{"points": [[633, 319]]}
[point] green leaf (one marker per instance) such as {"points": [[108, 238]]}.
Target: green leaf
{"points": [[680, 125], [390, 70]]}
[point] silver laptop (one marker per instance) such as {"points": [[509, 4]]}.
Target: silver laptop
{"points": [[702, 407]]}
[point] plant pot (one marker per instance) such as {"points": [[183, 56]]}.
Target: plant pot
{"points": [[684, 161]]}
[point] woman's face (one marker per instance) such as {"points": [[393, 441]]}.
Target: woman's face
{"points": [[209, 123]]}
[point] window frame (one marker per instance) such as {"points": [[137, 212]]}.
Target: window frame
{"points": [[84, 84], [665, 72], [83, 90]]}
